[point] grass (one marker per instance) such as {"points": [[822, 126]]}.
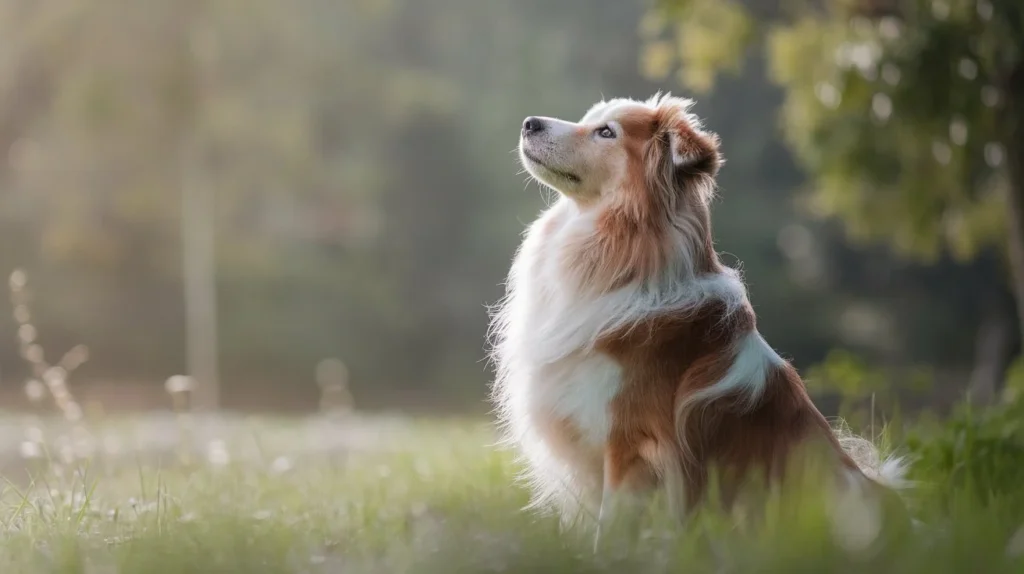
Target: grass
{"points": [[392, 495], [181, 493]]}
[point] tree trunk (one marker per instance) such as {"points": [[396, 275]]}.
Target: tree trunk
{"points": [[199, 278], [993, 351], [1015, 217], [1014, 143], [198, 210]]}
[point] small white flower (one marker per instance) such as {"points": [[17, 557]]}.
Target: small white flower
{"points": [[27, 333], [18, 279], [968, 68], [217, 453], [35, 390], [985, 10], [33, 353], [942, 152], [30, 450], [75, 357], [281, 465], [993, 154], [881, 106], [178, 384], [889, 27], [827, 94]]}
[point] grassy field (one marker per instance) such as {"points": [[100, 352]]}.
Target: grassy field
{"points": [[160, 494]]}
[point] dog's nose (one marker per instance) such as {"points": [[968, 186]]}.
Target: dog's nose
{"points": [[532, 125]]}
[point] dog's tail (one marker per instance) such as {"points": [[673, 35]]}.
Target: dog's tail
{"points": [[889, 470]]}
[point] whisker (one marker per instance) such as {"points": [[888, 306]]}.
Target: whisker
{"points": [[549, 197]]}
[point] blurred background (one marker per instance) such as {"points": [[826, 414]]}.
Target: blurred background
{"points": [[270, 196]]}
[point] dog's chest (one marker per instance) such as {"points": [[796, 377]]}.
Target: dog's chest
{"points": [[568, 385], [573, 397]]}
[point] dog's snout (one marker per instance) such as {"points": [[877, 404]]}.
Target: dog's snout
{"points": [[532, 125]]}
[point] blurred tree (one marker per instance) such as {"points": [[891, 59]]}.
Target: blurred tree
{"points": [[357, 154], [366, 201], [908, 115], [109, 109]]}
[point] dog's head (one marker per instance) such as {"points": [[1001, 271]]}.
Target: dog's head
{"points": [[624, 149]]}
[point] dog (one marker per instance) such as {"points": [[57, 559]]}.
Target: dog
{"points": [[627, 355]]}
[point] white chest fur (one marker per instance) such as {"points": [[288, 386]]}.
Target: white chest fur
{"points": [[549, 375], [575, 392], [548, 325]]}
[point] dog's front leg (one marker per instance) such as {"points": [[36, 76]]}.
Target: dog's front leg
{"points": [[609, 500], [626, 480]]}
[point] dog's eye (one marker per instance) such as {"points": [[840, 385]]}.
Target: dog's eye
{"points": [[605, 132]]}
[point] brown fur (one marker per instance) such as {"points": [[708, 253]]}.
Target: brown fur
{"points": [[652, 227], [665, 359], [632, 242], [668, 358]]}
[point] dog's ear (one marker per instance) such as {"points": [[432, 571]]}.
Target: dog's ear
{"points": [[685, 157], [694, 151]]}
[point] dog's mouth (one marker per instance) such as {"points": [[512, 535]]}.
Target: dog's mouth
{"points": [[570, 177]]}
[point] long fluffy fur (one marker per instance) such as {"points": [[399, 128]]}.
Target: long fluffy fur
{"points": [[573, 284], [543, 320]]}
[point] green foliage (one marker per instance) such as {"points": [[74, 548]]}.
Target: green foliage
{"points": [[367, 203], [869, 395], [898, 113], [847, 374], [401, 496], [710, 37], [976, 456], [1013, 391], [357, 153]]}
